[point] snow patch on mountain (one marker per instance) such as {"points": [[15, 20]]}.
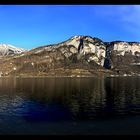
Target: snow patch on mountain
{"points": [[7, 49]]}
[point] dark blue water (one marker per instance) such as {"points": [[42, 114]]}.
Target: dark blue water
{"points": [[70, 106]]}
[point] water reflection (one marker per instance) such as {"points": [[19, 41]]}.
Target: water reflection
{"points": [[57, 99]]}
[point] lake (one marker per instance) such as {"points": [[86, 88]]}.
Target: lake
{"points": [[61, 106]]}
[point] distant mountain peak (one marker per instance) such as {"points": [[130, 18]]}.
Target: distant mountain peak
{"points": [[8, 49]]}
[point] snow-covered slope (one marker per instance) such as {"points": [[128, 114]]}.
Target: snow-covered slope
{"points": [[7, 49]]}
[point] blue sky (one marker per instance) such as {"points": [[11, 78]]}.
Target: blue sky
{"points": [[30, 26]]}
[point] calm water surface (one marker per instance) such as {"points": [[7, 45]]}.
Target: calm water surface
{"points": [[63, 106]]}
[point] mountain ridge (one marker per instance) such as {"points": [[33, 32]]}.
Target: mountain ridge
{"points": [[77, 56]]}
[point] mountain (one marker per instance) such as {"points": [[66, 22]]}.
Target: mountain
{"points": [[93, 51], [123, 57], [77, 56], [7, 49]]}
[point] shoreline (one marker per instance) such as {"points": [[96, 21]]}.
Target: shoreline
{"points": [[69, 76]]}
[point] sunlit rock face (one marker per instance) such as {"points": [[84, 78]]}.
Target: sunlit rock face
{"points": [[93, 50], [6, 49], [124, 55], [125, 47]]}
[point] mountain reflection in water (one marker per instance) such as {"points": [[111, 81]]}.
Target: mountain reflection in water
{"points": [[68, 99]]}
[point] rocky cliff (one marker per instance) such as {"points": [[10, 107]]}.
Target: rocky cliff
{"points": [[77, 56], [123, 57]]}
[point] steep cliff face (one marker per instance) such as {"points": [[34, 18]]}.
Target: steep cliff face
{"points": [[124, 56], [93, 49]]}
